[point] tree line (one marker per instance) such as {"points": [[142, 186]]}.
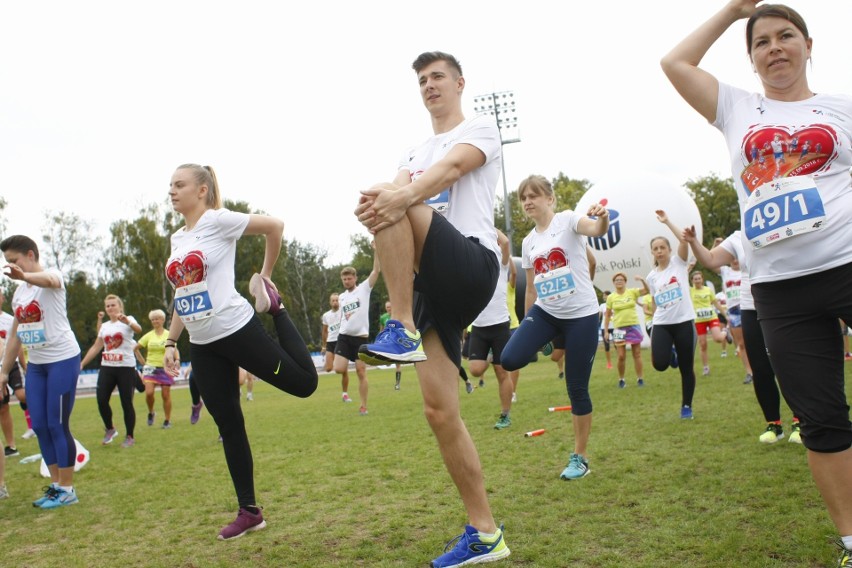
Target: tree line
{"points": [[132, 264]]}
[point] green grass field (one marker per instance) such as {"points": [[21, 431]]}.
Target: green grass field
{"points": [[339, 489]]}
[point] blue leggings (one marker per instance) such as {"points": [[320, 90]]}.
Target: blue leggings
{"points": [[50, 389], [581, 345]]}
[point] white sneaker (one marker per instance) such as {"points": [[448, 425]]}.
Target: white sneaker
{"points": [[249, 396], [706, 371], [28, 434], [4, 493], [514, 397]]}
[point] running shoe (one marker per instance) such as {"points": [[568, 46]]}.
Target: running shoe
{"points": [[724, 353], [514, 397], [396, 385], [728, 337], [795, 434], [706, 371], [673, 363], [346, 398], [686, 413], [49, 491], [622, 383], [748, 379], [167, 424], [547, 349], [28, 434], [848, 357], [109, 436], [266, 297], [471, 547], [609, 365], [151, 418], [249, 396], [128, 442], [640, 382], [845, 560], [561, 376], [774, 432], [196, 412], [481, 383], [503, 422], [577, 467], [60, 498], [363, 411], [468, 386], [11, 452], [246, 521], [4, 493], [394, 343]]}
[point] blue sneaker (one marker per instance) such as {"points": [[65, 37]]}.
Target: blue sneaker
{"points": [[503, 422], [60, 498], [577, 467], [470, 548], [686, 413], [547, 349], [49, 491], [393, 344], [674, 364]]}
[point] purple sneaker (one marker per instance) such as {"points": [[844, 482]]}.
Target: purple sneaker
{"points": [[246, 521], [196, 412], [266, 298]]}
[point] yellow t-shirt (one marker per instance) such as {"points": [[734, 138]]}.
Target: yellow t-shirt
{"points": [[623, 308], [702, 301]]}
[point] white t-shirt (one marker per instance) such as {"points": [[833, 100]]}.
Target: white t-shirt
{"points": [[823, 157], [734, 245], [469, 203], [6, 321], [45, 310], [670, 289], [556, 248], [602, 314], [497, 310], [331, 319], [355, 310], [202, 263], [118, 344], [731, 284]]}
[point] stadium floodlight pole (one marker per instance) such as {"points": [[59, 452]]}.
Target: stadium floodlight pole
{"points": [[501, 106]]}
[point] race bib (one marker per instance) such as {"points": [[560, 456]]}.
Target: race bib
{"points": [[704, 313], [32, 335], [192, 302], [781, 209], [148, 370], [733, 295], [619, 334], [440, 202], [668, 295], [553, 285]]}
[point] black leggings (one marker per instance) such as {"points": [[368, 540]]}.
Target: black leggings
{"points": [[765, 387], [682, 336], [125, 379], [286, 364], [193, 389]]}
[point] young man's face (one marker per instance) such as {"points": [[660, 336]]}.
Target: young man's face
{"points": [[349, 281], [440, 87]]}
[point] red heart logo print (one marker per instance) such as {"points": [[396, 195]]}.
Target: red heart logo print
{"points": [[802, 152], [190, 269], [555, 258], [113, 341], [28, 314]]}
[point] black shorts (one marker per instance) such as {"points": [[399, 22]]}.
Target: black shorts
{"points": [[16, 381], [491, 338], [456, 280], [331, 347], [558, 342], [805, 344], [347, 346]]}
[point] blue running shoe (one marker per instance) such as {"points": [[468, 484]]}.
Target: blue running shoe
{"points": [[470, 548], [674, 364], [60, 498], [393, 344], [577, 467], [686, 413], [49, 491], [547, 349]]}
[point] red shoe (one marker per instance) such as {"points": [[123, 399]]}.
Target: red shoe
{"points": [[609, 365], [246, 521]]}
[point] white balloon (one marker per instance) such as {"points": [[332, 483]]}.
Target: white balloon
{"points": [[632, 203]]}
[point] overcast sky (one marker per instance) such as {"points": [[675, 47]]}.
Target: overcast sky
{"points": [[299, 105]]}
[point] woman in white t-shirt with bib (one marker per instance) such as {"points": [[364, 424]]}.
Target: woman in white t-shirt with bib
{"points": [[673, 336], [225, 334], [41, 325], [117, 347], [560, 299], [796, 213]]}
